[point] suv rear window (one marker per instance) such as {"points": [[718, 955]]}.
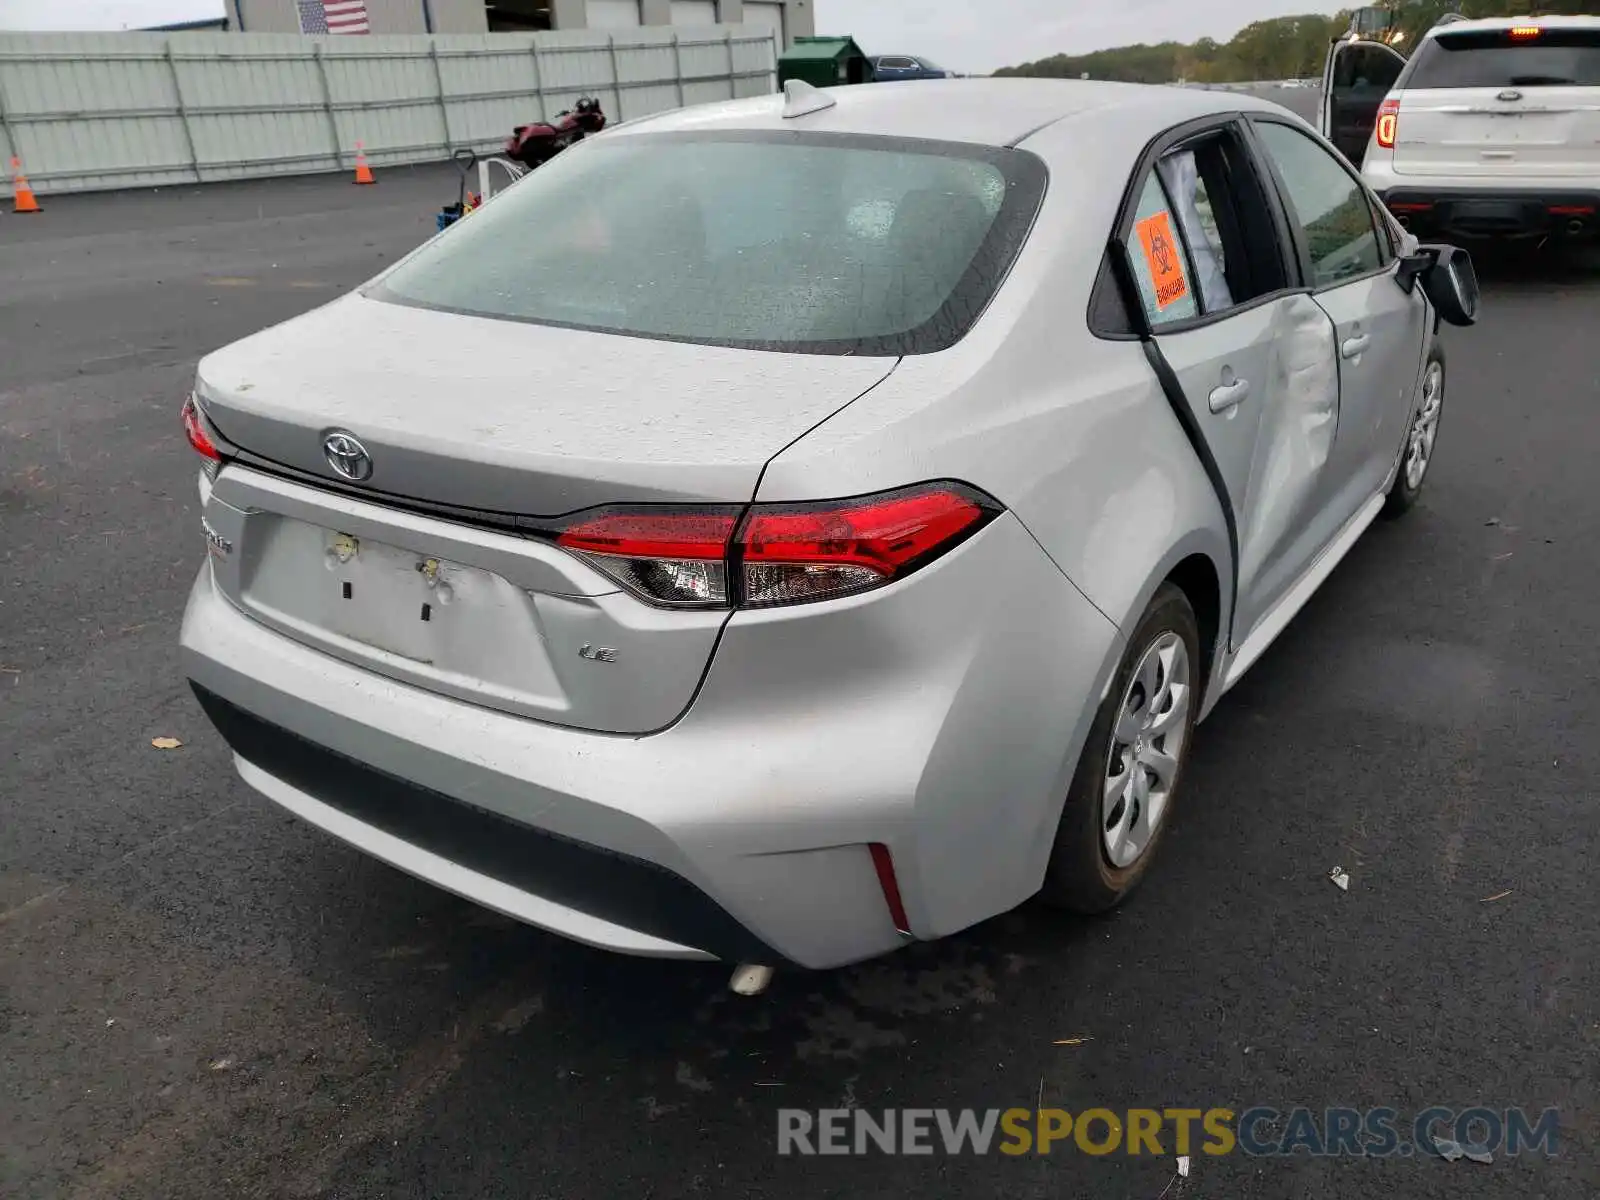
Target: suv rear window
{"points": [[1555, 58], [810, 243]]}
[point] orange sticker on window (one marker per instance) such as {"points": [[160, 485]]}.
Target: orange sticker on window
{"points": [[1164, 256]]}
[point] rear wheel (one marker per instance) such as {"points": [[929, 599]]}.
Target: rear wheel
{"points": [[1131, 769], [1420, 438]]}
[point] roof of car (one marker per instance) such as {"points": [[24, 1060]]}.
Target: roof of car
{"points": [[991, 112], [1496, 24]]}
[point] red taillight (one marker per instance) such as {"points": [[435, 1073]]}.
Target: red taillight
{"points": [[662, 533], [671, 556], [782, 553], [1388, 123], [808, 552], [194, 427], [1525, 33]]}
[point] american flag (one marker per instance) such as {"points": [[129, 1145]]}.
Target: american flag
{"points": [[333, 16]]}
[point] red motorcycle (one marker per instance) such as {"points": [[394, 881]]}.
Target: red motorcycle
{"points": [[536, 144]]}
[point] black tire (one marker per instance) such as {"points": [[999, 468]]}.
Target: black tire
{"points": [[1081, 876], [1403, 496]]}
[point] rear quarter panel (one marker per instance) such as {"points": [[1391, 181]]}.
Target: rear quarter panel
{"points": [[1070, 432]]}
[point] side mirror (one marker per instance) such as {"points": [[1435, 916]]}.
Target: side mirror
{"points": [[1451, 284]]}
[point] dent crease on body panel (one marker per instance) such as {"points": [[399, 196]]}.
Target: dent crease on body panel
{"points": [[1296, 437]]}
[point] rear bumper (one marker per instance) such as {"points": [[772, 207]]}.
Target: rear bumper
{"points": [[1479, 212], [626, 903], [941, 718]]}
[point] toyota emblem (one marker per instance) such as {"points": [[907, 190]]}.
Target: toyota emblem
{"points": [[347, 456]]}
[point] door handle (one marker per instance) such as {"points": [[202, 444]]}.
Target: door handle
{"points": [[1230, 395], [1356, 346]]}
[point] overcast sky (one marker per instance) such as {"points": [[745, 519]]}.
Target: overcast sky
{"points": [[965, 35]]}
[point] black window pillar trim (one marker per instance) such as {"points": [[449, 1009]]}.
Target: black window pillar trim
{"points": [[1142, 329], [1278, 198]]}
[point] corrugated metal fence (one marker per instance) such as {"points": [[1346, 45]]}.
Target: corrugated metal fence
{"points": [[95, 111]]}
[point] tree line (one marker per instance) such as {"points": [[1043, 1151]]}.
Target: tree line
{"points": [[1282, 48]]}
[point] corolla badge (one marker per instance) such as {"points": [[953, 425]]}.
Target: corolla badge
{"points": [[347, 456]]}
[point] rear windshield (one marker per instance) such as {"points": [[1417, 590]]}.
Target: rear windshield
{"points": [[799, 242], [1554, 58]]}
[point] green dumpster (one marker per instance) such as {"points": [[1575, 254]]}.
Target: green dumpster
{"points": [[824, 62]]}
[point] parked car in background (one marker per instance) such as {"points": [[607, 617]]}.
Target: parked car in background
{"points": [[887, 68], [784, 529], [1490, 128]]}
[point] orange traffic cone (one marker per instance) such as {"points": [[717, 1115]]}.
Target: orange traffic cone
{"points": [[24, 198], [363, 172]]}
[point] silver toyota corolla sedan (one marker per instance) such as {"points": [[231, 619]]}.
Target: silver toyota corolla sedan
{"points": [[779, 530]]}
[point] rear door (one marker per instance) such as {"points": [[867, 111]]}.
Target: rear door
{"points": [[1347, 257], [1520, 102], [1251, 356], [1356, 80]]}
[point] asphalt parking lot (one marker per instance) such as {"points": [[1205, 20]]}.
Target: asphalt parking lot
{"points": [[201, 998]]}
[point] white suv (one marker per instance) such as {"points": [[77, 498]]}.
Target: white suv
{"points": [[1490, 129]]}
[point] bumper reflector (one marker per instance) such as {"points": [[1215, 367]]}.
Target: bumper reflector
{"points": [[884, 864]]}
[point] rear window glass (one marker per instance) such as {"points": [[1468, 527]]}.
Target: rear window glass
{"points": [[1556, 58], [799, 242]]}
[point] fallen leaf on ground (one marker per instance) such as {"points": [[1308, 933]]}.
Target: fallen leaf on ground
{"points": [[1077, 1041], [165, 743], [1341, 879], [1496, 896]]}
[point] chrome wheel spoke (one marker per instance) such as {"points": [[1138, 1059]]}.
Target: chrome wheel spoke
{"points": [[1177, 709], [1163, 766], [1118, 819], [1142, 826], [1149, 678], [1117, 784]]}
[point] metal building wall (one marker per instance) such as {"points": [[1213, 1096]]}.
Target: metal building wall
{"points": [[97, 111], [459, 16], [385, 16]]}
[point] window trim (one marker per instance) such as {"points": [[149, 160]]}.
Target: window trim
{"points": [[1109, 297], [1285, 204]]}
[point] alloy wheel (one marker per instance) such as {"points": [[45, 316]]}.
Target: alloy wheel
{"points": [[1425, 428], [1147, 745]]}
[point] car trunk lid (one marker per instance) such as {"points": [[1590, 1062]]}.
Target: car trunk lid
{"points": [[466, 418], [512, 417]]}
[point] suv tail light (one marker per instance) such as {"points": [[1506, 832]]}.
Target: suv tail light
{"points": [[1388, 123], [777, 553]]}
